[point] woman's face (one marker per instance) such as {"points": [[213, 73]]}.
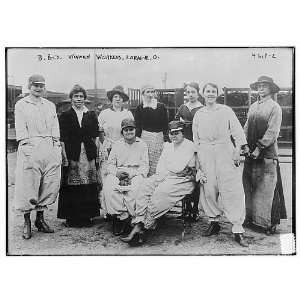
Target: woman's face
{"points": [[117, 100], [192, 94], [78, 100], [210, 94], [37, 89], [149, 94], [176, 137], [263, 89], [129, 133]]}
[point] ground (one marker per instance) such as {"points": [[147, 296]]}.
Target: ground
{"points": [[166, 240]]}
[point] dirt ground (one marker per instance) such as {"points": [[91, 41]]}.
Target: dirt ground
{"points": [[166, 240]]}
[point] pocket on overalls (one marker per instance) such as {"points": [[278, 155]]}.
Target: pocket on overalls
{"points": [[58, 153], [26, 150]]}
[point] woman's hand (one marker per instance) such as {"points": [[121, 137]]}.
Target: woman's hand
{"points": [[236, 156], [201, 177], [255, 153]]}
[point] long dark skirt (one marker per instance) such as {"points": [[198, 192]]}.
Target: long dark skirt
{"points": [[264, 197], [78, 195], [78, 202]]}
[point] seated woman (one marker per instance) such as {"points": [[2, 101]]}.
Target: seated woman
{"points": [[127, 164], [173, 180]]}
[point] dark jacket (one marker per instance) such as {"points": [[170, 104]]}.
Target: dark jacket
{"points": [[73, 135]]}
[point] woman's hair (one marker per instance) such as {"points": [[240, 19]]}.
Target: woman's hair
{"points": [[194, 85], [211, 84], [77, 89], [147, 87]]}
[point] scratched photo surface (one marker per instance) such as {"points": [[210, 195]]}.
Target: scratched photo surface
{"points": [[94, 185]]}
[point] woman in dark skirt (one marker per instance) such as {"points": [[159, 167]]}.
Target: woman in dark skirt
{"points": [[78, 196], [261, 175]]}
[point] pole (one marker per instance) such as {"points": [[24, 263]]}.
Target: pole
{"points": [[95, 76]]}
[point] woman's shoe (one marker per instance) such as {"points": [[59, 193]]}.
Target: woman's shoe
{"points": [[137, 240], [212, 229], [271, 230], [238, 237], [27, 230], [136, 230]]}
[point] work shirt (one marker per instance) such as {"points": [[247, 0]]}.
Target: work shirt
{"points": [[132, 158], [263, 126], [35, 119], [217, 126], [174, 160]]}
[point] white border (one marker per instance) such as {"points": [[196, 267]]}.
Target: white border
{"points": [[147, 23]]}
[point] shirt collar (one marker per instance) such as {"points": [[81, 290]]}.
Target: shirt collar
{"points": [[29, 100], [260, 101], [218, 106], [84, 109], [198, 104], [152, 104]]}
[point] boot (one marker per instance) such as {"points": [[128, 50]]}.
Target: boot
{"points": [[238, 237], [126, 229], [212, 229], [27, 227], [117, 226], [40, 223]]}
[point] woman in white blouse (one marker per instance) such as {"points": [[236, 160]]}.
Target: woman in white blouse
{"points": [[110, 119]]}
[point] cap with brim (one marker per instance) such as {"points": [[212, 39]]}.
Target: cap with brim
{"points": [[117, 90], [265, 79], [36, 79], [176, 126], [127, 123]]}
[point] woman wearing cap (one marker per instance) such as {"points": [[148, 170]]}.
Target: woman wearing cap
{"points": [[78, 197], [213, 127], [186, 113], [127, 165], [39, 155], [261, 176], [110, 119], [151, 119], [173, 180]]}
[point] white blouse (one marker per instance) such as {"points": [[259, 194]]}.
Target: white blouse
{"points": [[111, 120]]}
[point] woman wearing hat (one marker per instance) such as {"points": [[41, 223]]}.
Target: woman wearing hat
{"points": [[110, 119], [39, 155], [78, 197], [126, 166], [213, 127], [186, 113], [261, 176], [173, 180], [151, 119]]}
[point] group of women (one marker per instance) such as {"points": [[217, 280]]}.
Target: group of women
{"points": [[145, 164]]}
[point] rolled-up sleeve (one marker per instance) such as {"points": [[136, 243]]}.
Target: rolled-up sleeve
{"points": [[273, 130], [236, 130], [55, 128], [20, 123]]}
